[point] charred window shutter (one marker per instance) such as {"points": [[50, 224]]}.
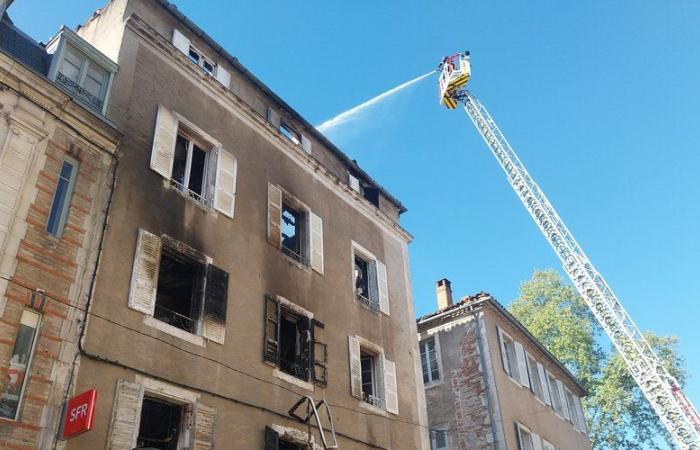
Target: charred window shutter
{"points": [[319, 355], [272, 439], [215, 302], [144, 277], [274, 214], [126, 416], [204, 418], [355, 367], [271, 350]]}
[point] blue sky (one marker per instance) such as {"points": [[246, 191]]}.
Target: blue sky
{"points": [[600, 99]]}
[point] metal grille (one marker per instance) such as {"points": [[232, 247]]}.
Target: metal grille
{"points": [[83, 94], [372, 304], [175, 319], [374, 401]]}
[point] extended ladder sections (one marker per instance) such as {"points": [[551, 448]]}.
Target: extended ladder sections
{"points": [[659, 387]]}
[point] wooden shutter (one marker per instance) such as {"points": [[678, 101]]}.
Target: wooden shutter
{"points": [[164, 137], [382, 288], [316, 242], [181, 42], [562, 399], [144, 278], [582, 417], [225, 190], [391, 395], [543, 383], [222, 76], [271, 349], [372, 281], [203, 430], [522, 364], [272, 439], [536, 441], [319, 355], [126, 416], [353, 182], [215, 302], [274, 214], [355, 367], [306, 144], [274, 118], [504, 352]]}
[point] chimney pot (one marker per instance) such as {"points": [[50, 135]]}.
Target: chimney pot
{"points": [[443, 291]]}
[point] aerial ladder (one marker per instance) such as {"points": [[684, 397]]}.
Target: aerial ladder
{"points": [[660, 388]]}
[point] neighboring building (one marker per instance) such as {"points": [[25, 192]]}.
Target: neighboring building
{"points": [[250, 263], [57, 161], [490, 384]]}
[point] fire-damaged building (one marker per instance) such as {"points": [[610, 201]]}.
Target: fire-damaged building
{"points": [[249, 265], [489, 384]]}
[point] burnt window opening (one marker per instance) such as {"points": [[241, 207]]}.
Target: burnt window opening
{"points": [[179, 294], [284, 445], [161, 425], [371, 194], [290, 133], [294, 340], [293, 230], [362, 278], [197, 58], [370, 391]]}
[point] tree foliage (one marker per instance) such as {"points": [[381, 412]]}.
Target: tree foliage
{"points": [[617, 414]]}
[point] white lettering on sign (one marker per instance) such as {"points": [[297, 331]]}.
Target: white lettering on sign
{"points": [[78, 412]]}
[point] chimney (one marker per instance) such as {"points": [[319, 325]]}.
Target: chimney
{"points": [[443, 290]]}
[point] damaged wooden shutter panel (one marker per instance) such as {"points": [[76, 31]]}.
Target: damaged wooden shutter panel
{"points": [[271, 347], [391, 387], [355, 368], [144, 278], [274, 214], [316, 242], [163, 151], [204, 420], [272, 439], [181, 42], [383, 288], [215, 302], [225, 190], [126, 416], [273, 117], [319, 355]]}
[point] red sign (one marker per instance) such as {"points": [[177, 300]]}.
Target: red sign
{"points": [[79, 413]]}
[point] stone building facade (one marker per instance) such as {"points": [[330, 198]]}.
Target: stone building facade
{"points": [[254, 265], [490, 385], [57, 162]]}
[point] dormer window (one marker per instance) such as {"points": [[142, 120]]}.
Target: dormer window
{"points": [[80, 69]]}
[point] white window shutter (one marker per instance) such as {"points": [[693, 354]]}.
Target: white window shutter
{"points": [[306, 144], [222, 76], [273, 117], [163, 151], [536, 441], [522, 364], [353, 182], [543, 383], [144, 278], [355, 367], [562, 398], [391, 394], [126, 416], [181, 42], [225, 190], [582, 418], [383, 288], [316, 242], [504, 353], [274, 215], [204, 419]]}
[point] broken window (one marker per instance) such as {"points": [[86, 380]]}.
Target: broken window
{"points": [[429, 360], [370, 280], [161, 425], [438, 439], [293, 232], [180, 283], [62, 197], [290, 133], [16, 373], [370, 389], [535, 382], [189, 172], [199, 59], [291, 343], [362, 279]]}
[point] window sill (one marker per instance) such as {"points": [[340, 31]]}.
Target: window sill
{"points": [[432, 384], [374, 409], [366, 306], [169, 184], [293, 261], [293, 380], [174, 331]]}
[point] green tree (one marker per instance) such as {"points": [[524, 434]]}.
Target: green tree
{"points": [[617, 414]]}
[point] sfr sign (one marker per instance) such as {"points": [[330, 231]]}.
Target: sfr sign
{"points": [[79, 414]]}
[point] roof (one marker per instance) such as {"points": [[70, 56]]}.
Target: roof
{"points": [[277, 99], [470, 304], [23, 48]]}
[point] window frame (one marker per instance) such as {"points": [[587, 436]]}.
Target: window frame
{"points": [[377, 397], [193, 140], [290, 132], [433, 437], [302, 230], [554, 393], [374, 301], [519, 429], [510, 366], [201, 60], [546, 445], [438, 360], [67, 199], [535, 382], [185, 416]]}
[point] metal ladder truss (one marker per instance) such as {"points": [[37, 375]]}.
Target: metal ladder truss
{"points": [[659, 387], [312, 411]]}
